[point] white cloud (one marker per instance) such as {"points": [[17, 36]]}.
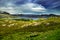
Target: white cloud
{"points": [[9, 7], [33, 7], [39, 9], [25, 8]]}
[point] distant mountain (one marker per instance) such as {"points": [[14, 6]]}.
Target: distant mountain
{"points": [[3, 12], [5, 15], [8, 15], [35, 16]]}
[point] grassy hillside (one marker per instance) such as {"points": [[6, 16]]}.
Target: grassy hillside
{"points": [[49, 35], [41, 29], [5, 16]]}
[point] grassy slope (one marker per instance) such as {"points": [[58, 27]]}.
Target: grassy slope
{"points": [[49, 35], [42, 29]]}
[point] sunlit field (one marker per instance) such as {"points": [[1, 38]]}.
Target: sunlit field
{"points": [[29, 19], [22, 29]]}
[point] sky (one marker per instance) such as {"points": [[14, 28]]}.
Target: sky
{"points": [[30, 6]]}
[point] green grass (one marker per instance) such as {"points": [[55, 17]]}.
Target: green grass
{"points": [[41, 29], [49, 35]]}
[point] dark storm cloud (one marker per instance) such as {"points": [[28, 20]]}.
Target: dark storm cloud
{"points": [[49, 4], [19, 2], [5, 2]]}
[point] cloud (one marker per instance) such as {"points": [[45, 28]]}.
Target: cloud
{"points": [[9, 7], [29, 8], [32, 7], [46, 3], [38, 8], [54, 5]]}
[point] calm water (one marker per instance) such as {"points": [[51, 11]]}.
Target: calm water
{"points": [[29, 18], [26, 18], [34, 18]]}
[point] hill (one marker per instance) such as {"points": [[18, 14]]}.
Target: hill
{"points": [[36, 16], [5, 15], [41, 29]]}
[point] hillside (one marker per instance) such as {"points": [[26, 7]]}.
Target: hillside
{"points": [[31, 29], [36, 16], [6, 15]]}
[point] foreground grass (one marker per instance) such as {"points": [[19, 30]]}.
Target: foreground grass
{"points": [[49, 35], [41, 29]]}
